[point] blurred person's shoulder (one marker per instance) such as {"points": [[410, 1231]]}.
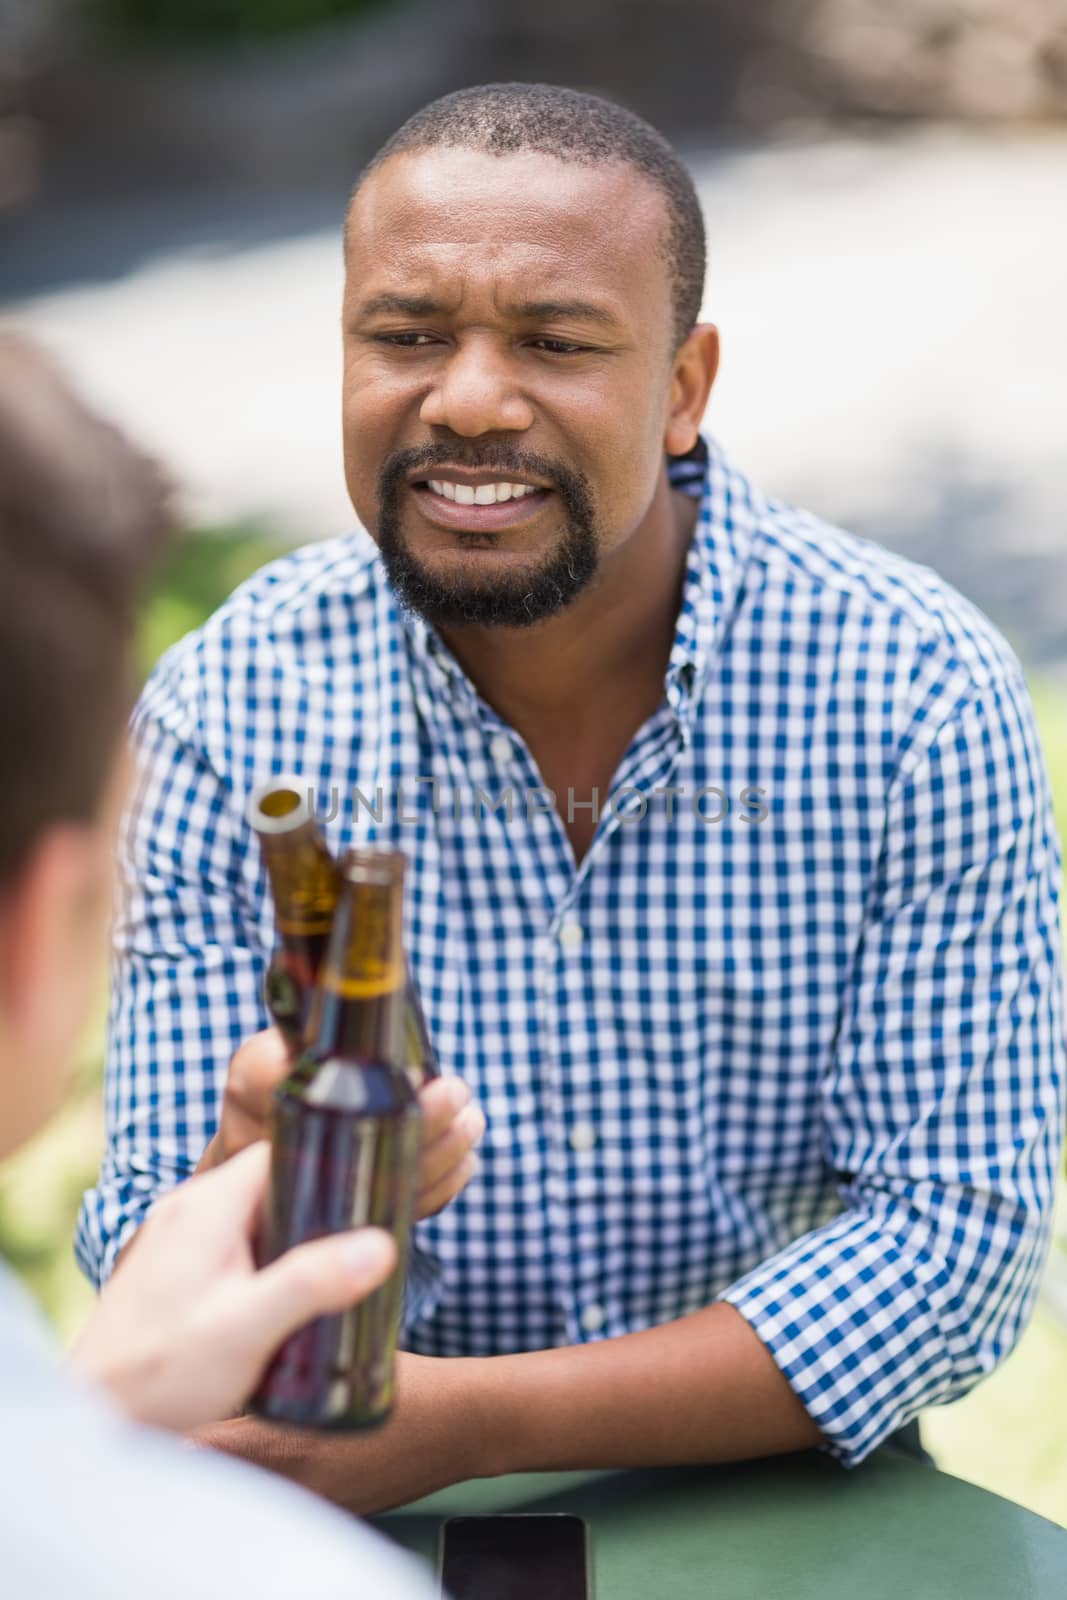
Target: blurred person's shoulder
{"points": [[93, 1506]]}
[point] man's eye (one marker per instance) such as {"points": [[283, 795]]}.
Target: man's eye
{"points": [[560, 347], [406, 341]]}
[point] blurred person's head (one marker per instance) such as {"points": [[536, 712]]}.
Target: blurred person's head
{"points": [[524, 272], [81, 516]]}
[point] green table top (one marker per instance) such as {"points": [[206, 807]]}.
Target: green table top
{"points": [[796, 1528]]}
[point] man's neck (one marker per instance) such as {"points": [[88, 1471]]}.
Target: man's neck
{"points": [[579, 686]]}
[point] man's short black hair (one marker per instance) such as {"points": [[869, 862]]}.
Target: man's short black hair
{"points": [[504, 118]]}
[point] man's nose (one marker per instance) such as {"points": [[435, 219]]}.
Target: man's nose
{"points": [[475, 394]]}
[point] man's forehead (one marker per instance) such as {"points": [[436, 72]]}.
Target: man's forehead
{"points": [[470, 196], [532, 221]]}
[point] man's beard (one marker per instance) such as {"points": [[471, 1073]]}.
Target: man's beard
{"points": [[514, 601]]}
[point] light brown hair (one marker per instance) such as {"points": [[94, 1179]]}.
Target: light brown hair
{"points": [[83, 514]]}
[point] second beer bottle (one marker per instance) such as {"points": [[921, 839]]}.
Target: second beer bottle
{"points": [[305, 882], [345, 1153]]}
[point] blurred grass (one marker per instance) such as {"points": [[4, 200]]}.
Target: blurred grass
{"points": [[1008, 1434], [201, 569], [1005, 1435], [1050, 704]]}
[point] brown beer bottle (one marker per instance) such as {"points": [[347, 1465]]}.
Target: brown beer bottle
{"points": [[305, 884], [345, 1153]]}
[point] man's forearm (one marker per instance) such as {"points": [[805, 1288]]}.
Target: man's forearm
{"points": [[701, 1389]]}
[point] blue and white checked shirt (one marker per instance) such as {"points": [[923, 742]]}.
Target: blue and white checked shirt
{"points": [[811, 1064]]}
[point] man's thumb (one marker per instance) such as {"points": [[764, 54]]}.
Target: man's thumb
{"points": [[315, 1279]]}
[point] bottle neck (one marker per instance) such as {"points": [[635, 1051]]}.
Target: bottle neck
{"points": [[304, 882], [356, 1030], [360, 1002]]}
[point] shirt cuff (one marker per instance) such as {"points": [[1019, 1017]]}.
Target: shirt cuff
{"points": [[108, 1221], [423, 1288], [849, 1314]]}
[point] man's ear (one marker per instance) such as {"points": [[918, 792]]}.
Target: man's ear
{"points": [[42, 919], [692, 376]]}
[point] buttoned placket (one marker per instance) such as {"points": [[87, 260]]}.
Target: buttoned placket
{"points": [[648, 764]]}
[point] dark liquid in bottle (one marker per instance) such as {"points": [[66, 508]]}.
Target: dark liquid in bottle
{"points": [[347, 1130], [343, 1154], [305, 883], [290, 981]]}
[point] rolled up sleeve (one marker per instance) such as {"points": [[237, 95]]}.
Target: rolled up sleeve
{"points": [[943, 1102]]}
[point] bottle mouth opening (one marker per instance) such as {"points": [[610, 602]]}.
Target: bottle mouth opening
{"points": [[279, 806]]}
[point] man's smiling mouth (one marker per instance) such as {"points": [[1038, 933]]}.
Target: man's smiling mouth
{"points": [[476, 502], [482, 494]]}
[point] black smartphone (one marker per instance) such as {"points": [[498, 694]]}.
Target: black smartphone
{"points": [[515, 1557]]}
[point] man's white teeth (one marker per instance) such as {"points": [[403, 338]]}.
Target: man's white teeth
{"points": [[486, 494]]}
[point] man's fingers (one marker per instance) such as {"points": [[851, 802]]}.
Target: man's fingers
{"points": [[450, 1149], [316, 1279], [257, 1069], [441, 1100], [434, 1199], [451, 1127]]}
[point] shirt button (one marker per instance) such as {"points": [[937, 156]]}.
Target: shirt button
{"points": [[571, 935], [501, 750], [582, 1136], [593, 1319]]}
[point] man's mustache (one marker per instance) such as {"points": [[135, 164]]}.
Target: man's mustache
{"points": [[401, 467]]}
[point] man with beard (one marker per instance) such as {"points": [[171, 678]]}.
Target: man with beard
{"points": [[733, 888]]}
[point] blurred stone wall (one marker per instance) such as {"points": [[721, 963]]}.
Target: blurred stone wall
{"points": [[308, 108], [983, 59], [700, 62]]}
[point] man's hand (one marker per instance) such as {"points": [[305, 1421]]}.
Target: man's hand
{"points": [[433, 1438], [451, 1126], [183, 1333]]}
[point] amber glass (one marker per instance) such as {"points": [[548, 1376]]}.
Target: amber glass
{"points": [[305, 883], [345, 1153]]}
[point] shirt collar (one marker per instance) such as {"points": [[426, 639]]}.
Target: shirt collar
{"points": [[714, 566], [713, 571]]}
